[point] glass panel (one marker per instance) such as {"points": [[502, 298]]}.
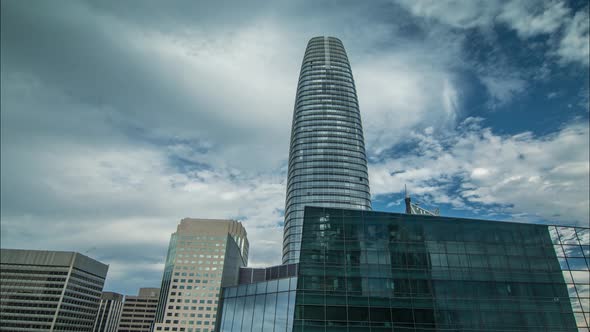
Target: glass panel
{"points": [[229, 315], [224, 315], [563, 263], [283, 285], [554, 235], [239, 313], [336, 313], [261, 287], [281, 311], [581, 277], [272, 286], [248, 314], [258, 313], [269, 311], [567, 235], [242, 290], [580, 320], [573, 250], [231, 292], [583, 291], [360, 314], [583, 235], [578, 264], [558, 250], [291, 312], [251, 289]]}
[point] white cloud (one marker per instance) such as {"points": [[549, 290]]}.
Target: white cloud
{"points": [[545, 178], [106, 199], [575, 45], [529, 18], [458, 14], [502, 89], [392, 97], [534, 18]]}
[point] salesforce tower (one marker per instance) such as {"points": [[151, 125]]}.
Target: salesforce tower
{"points": [[327, 161]]}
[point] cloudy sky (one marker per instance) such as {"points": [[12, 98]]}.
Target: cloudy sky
{"points": [[119, 118]]}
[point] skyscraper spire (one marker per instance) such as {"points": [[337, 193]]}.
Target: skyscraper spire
{"points": [[327, 161]]}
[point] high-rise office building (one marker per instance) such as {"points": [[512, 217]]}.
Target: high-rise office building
{"points": [[203, 256], [139, 311], [109, 312], [377, 271], [49, 290], [327, 162]]}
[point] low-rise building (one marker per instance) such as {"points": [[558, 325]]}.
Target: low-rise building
{"points": [[139, 311]]}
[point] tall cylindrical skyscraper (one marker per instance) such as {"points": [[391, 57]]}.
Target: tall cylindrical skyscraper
{"points": [[327, 161]]}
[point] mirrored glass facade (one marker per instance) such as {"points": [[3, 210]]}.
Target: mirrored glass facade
{"points": [[327, 161], [262, 306], [363, 270]]}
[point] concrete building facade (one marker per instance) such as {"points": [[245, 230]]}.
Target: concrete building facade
{"points": [[109, 312], [139, 311], [49, 290]]}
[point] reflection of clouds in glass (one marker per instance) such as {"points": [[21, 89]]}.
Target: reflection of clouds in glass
{"points": [[572, 247], [580, 277], [554, 235], [573, 251], [568, 235], [558, 250], [571, 289], [577, 264], [584, 235], [583, 290]]}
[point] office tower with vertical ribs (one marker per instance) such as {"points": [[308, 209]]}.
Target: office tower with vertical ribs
{"points": [[327, 161], [109, 312]]}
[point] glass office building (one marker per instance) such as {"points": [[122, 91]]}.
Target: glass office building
{"points": [[375, 271], [262, 306], [327, 162]]}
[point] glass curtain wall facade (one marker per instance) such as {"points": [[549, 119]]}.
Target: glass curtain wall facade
{"points": [[374, 271], [261, 306], [327, 161]]}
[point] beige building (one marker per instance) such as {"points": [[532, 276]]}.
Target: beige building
{"points": [[139, 311], [203, 256]]}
